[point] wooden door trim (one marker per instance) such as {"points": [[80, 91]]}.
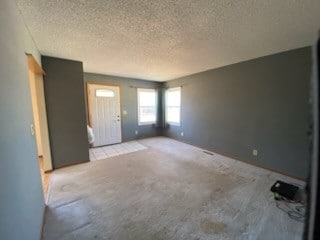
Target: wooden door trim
{"points": [[33, 65], [35, 68], [88, 104]]}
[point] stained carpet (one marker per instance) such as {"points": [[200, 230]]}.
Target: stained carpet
{"points": [[170, 190]]}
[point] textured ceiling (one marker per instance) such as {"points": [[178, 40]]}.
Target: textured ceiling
{"points": [[165, 39]]}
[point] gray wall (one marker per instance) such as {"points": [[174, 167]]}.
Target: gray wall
{"points": [[21, 197], [128, 92], [258, 104], [65, 103]]}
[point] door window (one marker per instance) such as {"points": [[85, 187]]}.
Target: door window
{"points": [[104, 93]]}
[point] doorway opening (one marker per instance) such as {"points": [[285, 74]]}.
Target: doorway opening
{"points": [[104, 113], [40, 125]]}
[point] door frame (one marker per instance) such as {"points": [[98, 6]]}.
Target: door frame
{"points": [[38, 72], [88, 104]]}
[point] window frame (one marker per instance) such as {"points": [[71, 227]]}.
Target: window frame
{"points": [[155, 106], [166, 106]]}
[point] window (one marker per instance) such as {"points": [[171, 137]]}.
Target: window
{"points": [[104, 93], [173, 99], [147, 105]]}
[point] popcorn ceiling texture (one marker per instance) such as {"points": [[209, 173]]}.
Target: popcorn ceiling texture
{"points": [[163, 40]]}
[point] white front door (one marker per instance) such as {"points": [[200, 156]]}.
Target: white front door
{"points": [[104, 114]]}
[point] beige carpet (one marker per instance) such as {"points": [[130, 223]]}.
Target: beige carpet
{"points": [[171, 190]]}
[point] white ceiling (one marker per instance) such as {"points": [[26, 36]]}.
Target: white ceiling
{"points": [[165, 39]]}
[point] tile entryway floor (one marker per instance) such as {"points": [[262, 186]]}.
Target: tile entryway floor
{"points": [[100, 153]]}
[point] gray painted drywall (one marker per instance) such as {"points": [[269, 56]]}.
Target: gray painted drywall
{"points": [[21, 197], [128, 92], [258, 104], [65, 103]]}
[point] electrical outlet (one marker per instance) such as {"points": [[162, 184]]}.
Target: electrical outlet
{"points": [[181, 134], [136, 132], [255, 152]]}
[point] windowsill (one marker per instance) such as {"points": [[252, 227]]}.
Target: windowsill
{"points": [[146, 123], [173, 124]]}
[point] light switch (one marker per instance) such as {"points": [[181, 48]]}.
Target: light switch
{"points": [[125, 112], [32, 129], [255, 152]]}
